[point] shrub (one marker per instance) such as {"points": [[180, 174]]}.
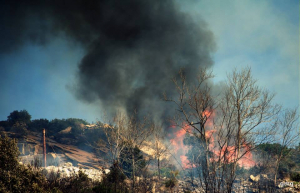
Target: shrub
{"points": [[295, 176], [13, 176], [113, 182], [20, 129], [171, 183]]}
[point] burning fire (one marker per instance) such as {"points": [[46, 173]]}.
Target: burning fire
{"points": [[177, 142], [247, 160], [185, 162], [179, 147], [209, 116], [227, 151]]}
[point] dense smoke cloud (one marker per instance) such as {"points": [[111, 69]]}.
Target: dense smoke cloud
{"points": [[133, 47]]}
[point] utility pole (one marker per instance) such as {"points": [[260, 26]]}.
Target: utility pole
{"points": [[44, 150]]}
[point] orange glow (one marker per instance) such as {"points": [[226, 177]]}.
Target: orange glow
{"points": [[178, 145], [209, 116], [185, 162], [247, 160], [227, 153], [209, 134], [177, 142]]}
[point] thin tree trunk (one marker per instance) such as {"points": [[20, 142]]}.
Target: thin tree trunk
{"points": [[276, 171], [208, 183], [158, 168], [133, 173], [115, 165]]}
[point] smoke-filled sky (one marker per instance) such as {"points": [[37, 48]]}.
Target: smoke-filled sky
{"points": [[78, 59]]}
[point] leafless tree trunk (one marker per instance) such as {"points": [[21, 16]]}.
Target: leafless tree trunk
{"points": [[287, 135], [125, 132], [112, 145], [243, 109], [136, 133], [160, 149], [195, 105]]}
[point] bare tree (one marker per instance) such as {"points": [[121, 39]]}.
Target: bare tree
{"points": [[125, 133], [137, 132], [195, 105], [287, 135], [227, 127], [243, 109], [114, 142]]}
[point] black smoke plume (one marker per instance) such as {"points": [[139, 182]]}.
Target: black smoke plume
{"points": [[133, 47]]}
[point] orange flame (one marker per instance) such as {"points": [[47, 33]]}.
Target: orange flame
{"points": [[247, 160], [177, 141], [228, 153], [178, 145], [209, 115], [185, 162]]}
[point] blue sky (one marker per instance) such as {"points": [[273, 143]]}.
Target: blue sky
{"points": [[261, 34]]}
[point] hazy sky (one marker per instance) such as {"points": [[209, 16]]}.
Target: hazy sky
{"points": [[261, 34]]}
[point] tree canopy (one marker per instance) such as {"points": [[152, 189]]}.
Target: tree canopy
{"points": [[19, 116]]}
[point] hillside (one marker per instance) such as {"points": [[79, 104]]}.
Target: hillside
{"points": [[31, 147]]}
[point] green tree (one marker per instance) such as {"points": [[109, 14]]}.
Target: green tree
{"points": [[5, 125], [20, 129], [296, 156], [74, 121], [19, 116], [56, 125], [113, 181], [132, 160], [13, 176], [38, 124], [270, 152], [9, 153]]}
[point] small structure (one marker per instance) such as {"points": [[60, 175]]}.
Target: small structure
{"points": [[44, 150]]}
